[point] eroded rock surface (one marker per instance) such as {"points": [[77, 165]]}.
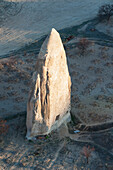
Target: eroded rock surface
{"points": [[49, 98]]}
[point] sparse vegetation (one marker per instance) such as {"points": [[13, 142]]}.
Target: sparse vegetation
{"points": [[82, 45], [3, 127], [1, 66], [105, 12], [10, 65], [87, 152]]}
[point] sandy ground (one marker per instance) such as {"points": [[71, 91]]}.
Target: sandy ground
{"points": [[56, 151], [92, 109], [92, 104], [92, 82], [33, 19]]}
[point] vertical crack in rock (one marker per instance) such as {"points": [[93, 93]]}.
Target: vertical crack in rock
{"points": [[49, 98]]}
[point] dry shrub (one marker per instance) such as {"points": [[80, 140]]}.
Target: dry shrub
{"points": [[12, 79], [10, 65], [69, 38], [87, 152], [105, 12], [82, 45], [19, 99], [3, 97], [3, 127], [23, 75], [1, 66]]}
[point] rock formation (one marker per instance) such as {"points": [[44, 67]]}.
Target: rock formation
{"points": [[49, 98]]}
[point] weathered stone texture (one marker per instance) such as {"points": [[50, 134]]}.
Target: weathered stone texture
{"points": [[49, 99]]}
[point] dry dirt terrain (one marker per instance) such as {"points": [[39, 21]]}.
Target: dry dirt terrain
{"points": [[25, 21], [91, 70]]}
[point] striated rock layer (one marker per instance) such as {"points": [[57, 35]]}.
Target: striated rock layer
{"points": [[49, 98]]}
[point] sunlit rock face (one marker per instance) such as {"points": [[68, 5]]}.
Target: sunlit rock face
{"points": [[49, 98]]}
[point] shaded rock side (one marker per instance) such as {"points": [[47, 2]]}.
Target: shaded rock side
{"points": [[49, 98]]}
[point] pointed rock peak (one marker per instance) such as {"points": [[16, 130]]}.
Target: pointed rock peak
{"points": [[52, 45], [54, 32]]}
